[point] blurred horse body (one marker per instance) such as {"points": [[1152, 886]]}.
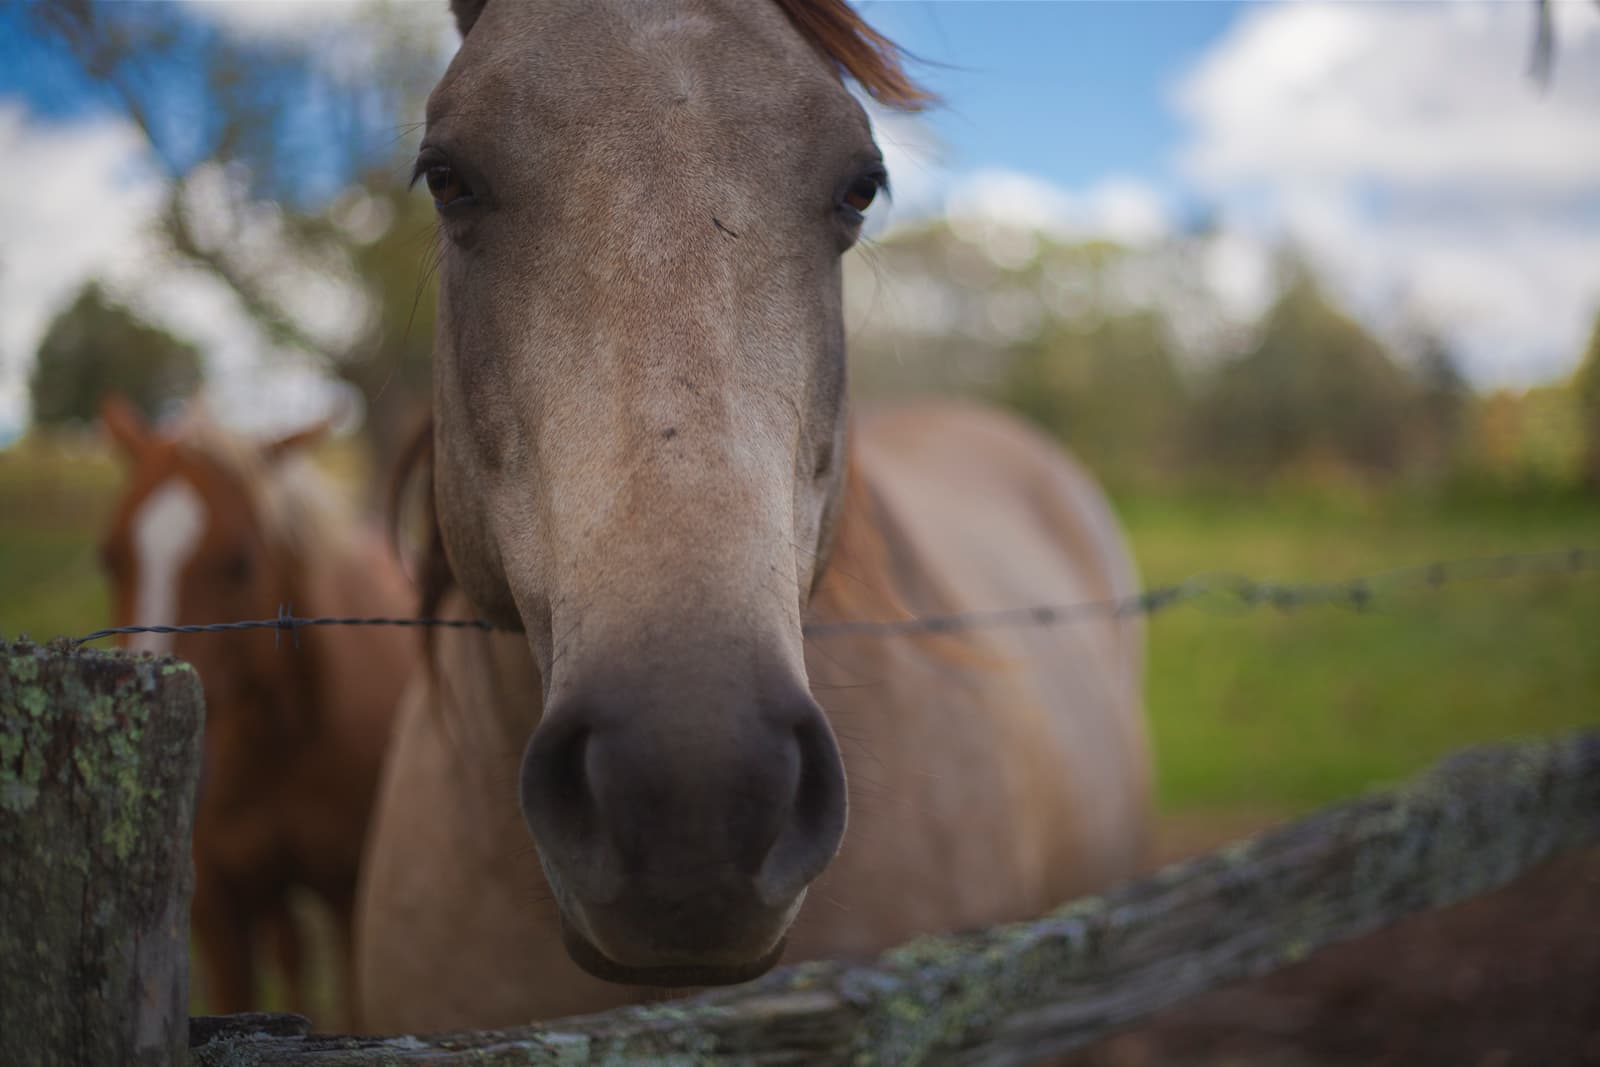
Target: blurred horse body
{"points": [[214, 528], [643, 466]]}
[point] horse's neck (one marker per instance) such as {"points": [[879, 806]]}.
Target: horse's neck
{"points": [[336, 576], [338, 567], [871, 570]]}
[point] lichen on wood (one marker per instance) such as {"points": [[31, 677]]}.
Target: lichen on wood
{"points": [[1014, 994], [99, 754]]}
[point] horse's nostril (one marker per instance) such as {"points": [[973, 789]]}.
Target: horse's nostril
{"points": [[818, 801], [556, 793], [816, 821], [569, 772]]}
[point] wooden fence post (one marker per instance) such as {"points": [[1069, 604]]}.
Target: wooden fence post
{"points": [[99, 758]]}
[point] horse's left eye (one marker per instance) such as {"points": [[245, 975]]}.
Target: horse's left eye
{"points": [[445, 185]]}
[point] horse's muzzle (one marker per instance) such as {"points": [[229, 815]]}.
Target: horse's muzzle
{"points": [[679, 843]]}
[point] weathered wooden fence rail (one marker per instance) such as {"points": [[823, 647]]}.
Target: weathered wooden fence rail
{"points": [[1007, 995]]}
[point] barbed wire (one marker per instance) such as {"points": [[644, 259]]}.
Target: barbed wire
{"points": [[1230, 590], [1238, 591], [287, 622]]}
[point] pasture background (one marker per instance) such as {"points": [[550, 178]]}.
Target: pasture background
{"points": [[1255, 716], [1263, 713]]}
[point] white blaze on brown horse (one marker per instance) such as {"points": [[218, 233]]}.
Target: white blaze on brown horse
{"points": [[213, 528], [643, 465]]}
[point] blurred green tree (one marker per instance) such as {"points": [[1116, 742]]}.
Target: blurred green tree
{"points": [[1588, 389], [97, 346], [1315, 388], [1444, 403], [285, 157], [1108, 386]]}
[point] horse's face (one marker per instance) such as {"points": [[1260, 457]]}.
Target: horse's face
{"points": [[185, 545], [639, 387]]}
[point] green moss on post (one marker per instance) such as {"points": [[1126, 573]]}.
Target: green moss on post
{"points": [[99, 757]]}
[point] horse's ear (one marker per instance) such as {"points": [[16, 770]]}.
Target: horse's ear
{"points": [[294, 442], [123, 424], [466, 13]]}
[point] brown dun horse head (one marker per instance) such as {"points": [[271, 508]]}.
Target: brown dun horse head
{"points": [[639, 391]]}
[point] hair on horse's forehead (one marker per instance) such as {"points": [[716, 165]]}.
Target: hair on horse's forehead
{"points": [[603, 62], [723, 32]]}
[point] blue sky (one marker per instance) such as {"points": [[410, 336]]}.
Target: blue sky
{"points": [[1066, 91], [1399, 146]]}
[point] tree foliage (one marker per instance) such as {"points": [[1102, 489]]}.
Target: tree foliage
{"points": [[1108, 386], [96, 347], [1588, 390], [1315, 387], [263, 140]]}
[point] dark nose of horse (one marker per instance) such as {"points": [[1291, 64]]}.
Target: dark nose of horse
{"points": [[653, 811]]}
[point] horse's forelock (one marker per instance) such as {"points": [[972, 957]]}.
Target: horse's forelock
{"points": [[873, 60]]}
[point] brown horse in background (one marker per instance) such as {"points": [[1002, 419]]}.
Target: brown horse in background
{"points": [[643, 466], [213, 528]]}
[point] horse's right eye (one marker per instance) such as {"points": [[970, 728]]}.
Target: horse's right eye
{"points": [[856, 197]]}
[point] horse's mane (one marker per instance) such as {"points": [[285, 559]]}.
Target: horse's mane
{"points": [[433, 577], [297, 507], [834, 29]]}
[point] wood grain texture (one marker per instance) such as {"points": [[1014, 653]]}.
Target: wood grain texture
{"points": [[1014, 994], [99, 757]]}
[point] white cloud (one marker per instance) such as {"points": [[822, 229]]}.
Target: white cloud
{"points": [[1119, 209], [91, 217], [344, 36], [300, 21], [925, 184], [282, 20], [90, 205], [1405, 150]]}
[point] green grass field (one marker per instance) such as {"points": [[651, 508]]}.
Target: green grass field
{"points": [[53, 504], [1261, 711], [1282, 712]]}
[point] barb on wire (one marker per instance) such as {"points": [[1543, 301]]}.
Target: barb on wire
{"points": [[1247, 594]]}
